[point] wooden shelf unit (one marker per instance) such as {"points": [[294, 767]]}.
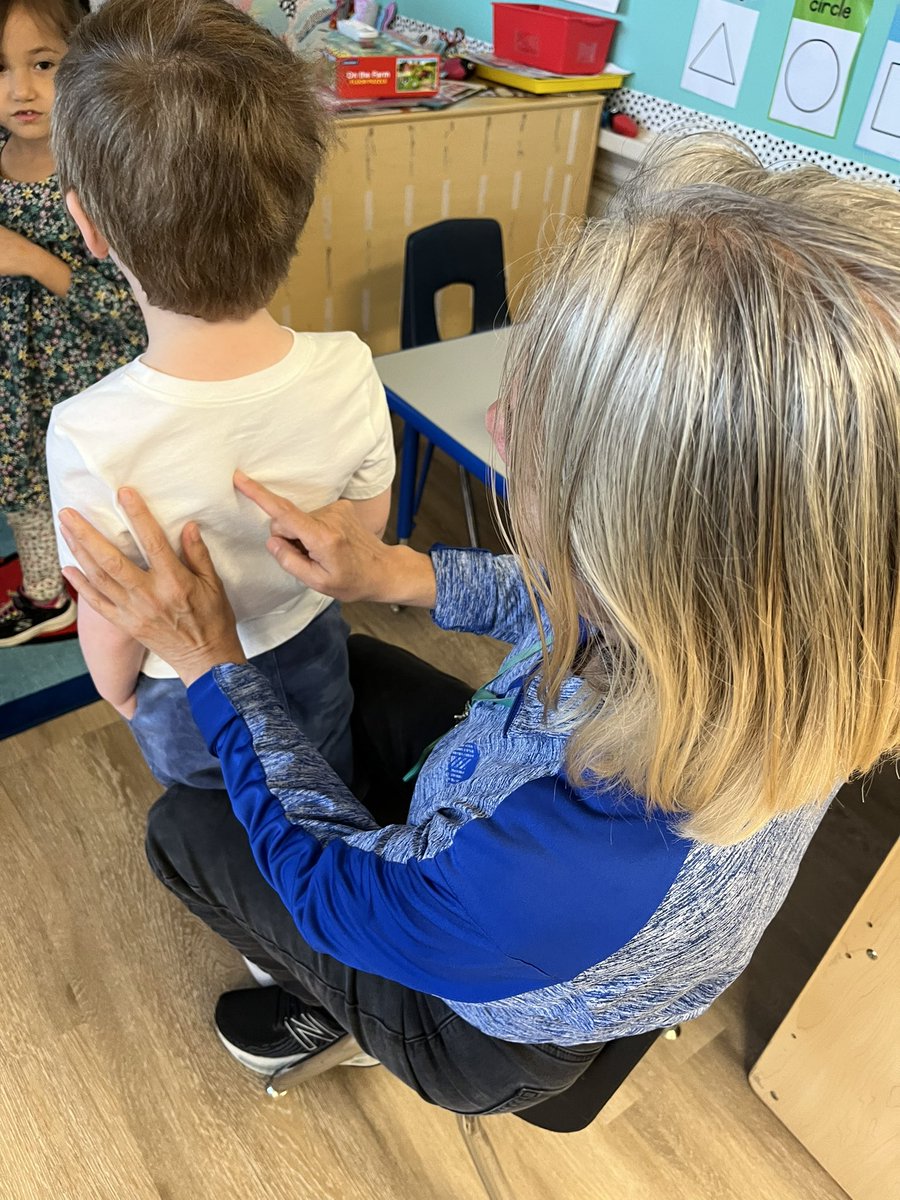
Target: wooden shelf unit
{"points": [[526, 163]]}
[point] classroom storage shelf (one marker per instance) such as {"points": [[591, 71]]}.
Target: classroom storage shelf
{"points": [[525, 162]]}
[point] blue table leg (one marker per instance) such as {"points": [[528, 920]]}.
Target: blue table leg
{"points": [[423, 475], [409, 461]]}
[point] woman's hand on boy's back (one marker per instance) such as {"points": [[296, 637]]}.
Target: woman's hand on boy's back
{"points": [[177, 607], [331, 551]]}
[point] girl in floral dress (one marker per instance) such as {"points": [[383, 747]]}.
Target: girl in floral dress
{"points": [[66, 319]]}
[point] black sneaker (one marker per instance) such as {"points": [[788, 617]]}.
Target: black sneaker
{"points": [[268, 1029], [21, 619]]}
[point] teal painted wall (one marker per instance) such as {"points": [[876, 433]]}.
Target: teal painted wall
{"points": [[653, 38]]}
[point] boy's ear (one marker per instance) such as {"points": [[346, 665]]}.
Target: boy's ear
{"points": [[93, 238]]}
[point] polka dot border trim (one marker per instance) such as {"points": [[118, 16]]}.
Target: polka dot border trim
{"points": [[664, 116]]}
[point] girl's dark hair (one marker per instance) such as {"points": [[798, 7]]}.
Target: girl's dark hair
{"points": [[63, 15]]}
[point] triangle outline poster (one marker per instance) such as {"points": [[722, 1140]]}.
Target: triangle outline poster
{"points": [[709, 61], [719, 49]]}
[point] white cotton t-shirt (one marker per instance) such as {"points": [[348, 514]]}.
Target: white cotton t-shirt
{"points": [[314, 428]]}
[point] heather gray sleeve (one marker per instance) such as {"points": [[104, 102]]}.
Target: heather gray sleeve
{"points": [[480, 592]]}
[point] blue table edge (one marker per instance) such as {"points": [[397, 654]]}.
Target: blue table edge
{"points": [[473, 464]]}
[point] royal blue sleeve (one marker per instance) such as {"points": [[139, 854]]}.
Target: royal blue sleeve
{"points": [[376, 899]]}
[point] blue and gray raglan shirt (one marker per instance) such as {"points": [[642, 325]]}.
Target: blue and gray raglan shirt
{"points": [[539, 912]]}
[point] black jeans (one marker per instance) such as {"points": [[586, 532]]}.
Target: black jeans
{"points": [[198, 849]]}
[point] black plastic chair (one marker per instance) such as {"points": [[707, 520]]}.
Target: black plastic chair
{"points": [[576, 1107], [467, 251], [570, 1111]]}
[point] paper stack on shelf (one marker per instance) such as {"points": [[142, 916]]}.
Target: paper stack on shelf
{"points": [[532, 79]]}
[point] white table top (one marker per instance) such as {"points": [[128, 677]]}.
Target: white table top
{"points": [[452, 384]]}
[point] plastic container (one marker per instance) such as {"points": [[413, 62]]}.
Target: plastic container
{"points": [[553, 39]]}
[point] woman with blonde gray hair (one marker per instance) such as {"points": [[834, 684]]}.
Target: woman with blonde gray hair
{"points": [[701, 431]]}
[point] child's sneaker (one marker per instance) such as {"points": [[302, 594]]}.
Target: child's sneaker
{"points": [[21, 619]]}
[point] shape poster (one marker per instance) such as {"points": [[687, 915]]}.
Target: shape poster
{"points": [[818, 59], [719, 49], [880, 129]]}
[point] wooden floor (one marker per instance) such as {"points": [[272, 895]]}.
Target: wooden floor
{"points": [[113, 1086]]}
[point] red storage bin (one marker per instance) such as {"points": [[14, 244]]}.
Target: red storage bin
{"points": [[553, 39]]}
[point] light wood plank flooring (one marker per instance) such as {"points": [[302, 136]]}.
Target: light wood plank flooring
{"points": [[113, 1086]]}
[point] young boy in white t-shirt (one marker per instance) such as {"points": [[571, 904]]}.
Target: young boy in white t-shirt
{"points": [[189, 142]]}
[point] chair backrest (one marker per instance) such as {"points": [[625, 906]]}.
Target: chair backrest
{"points": [[468, 250], [578, 1105]]}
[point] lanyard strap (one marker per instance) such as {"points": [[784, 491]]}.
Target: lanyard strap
{"points": [[521, 656], [484, 695]]}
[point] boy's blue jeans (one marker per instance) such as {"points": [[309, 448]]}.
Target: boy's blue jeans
{"points": [[310, 676]]}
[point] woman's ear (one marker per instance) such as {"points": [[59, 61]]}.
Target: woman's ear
{"points": [[93, 238]]}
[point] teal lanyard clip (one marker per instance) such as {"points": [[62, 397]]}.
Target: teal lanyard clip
{"points": [[484, 695]]}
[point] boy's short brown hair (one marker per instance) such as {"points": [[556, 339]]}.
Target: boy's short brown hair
{"points": [[193, 140]]}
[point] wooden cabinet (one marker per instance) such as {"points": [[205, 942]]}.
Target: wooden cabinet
{"points": [[523, 162], [831, 1073]]}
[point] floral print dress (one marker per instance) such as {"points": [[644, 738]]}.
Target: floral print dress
{"points": [[52, 347]]}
